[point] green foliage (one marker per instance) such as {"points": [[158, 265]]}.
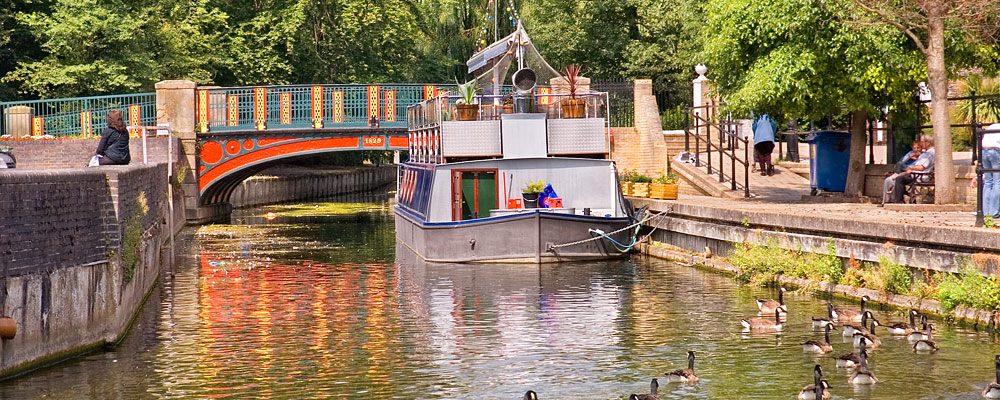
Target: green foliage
{"points": [[132, 237], [987, 109], [886, 276], [468, 91], [533, 187], [760, 264], [897, 278], [988, 222], [628, 175], [670, 178], [640, 178], [968, 288], [673, 118]]}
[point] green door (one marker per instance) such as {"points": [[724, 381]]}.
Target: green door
{"points": [[479, 194]]}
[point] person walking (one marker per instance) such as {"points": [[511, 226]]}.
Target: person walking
{"points": [[763, 143], [991, 180], [113, 148]]}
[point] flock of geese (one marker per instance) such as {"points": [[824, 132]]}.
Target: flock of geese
{"points": [[857, 324]]}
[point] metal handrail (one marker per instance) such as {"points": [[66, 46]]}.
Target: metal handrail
{"points": [[729, 141], [978, 148], [77, 116]]}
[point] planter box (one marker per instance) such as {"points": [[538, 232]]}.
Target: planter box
{"points": [[627, 188], [640, 189], [663, 191]]}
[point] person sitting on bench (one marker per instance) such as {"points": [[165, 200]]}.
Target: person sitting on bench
{"points": [[909, 159], [895, 184]]}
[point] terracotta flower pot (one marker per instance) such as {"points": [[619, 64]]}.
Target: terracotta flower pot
{"points": [[468, 112], [573, 108], [8, 328]]}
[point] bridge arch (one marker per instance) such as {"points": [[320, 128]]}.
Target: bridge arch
{"points": [[226, 160]]}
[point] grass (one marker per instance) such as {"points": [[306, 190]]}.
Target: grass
{"points": [[760, 264]]}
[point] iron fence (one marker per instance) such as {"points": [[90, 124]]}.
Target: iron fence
{"points": [[621, 99], [707, 122], [74, 117]]}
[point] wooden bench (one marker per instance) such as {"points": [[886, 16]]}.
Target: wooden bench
{"points": [[922, 185]]}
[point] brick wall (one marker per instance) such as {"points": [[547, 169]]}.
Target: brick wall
{"points": [[76, 153], [62, 218]]}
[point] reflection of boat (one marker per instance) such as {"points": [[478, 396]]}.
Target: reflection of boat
{"points": [[459, 192]]}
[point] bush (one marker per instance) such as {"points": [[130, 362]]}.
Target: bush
{"points": [[886, 276], [759, 264], [968, 288], [897, 278]]}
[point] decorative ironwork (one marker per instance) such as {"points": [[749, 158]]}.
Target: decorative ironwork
{"points": [[543, 93], [286, 108], [390, 105], [260, 108], [373, 102], [338, 106], [203, 110], [430, 91], [233, 110], [317, 107], [86, 123], [133, 119], [37, 126]]}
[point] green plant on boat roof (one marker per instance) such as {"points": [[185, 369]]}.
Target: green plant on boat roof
{"points": [[533, 187], [468, 91]]}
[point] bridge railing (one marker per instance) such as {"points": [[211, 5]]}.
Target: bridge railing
{"points": [[80, 117], [308, 106]]}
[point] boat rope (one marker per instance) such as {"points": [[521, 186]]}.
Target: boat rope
{"points": [[602, 235]]}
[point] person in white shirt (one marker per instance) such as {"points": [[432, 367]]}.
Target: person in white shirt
{"points": [[991, 180], [895, 184]]}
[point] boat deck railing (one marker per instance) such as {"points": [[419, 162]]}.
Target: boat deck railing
{"points": [[443, 127]]}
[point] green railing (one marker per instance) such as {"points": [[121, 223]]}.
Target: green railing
{"points": [[74, 117]]}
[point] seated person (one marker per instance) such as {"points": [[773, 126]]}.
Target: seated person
{"points": [[895, 184], [908, 159], [113, 148]]}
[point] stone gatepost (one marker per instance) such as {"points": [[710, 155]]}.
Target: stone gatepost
{"points": [[175, 105], [18, 120], [652, 149], [704, 103]]}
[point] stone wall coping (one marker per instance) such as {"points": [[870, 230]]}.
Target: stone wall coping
{"points": [[176, 84], [955, 237]]}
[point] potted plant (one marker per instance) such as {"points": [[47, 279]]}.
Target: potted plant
{"points": [[468, 110], [508, 103], [664, 186], [530, 193], [640, 185], [627, 178], [573, 107]]}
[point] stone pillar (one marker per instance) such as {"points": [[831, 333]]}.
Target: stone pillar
{"points": [[702, 98], [175, 105], [651, 147]]}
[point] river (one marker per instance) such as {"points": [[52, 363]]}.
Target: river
{"points": [[325, 306]]}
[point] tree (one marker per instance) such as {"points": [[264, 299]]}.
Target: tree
{"points": [[797, 58], [925, 23]]}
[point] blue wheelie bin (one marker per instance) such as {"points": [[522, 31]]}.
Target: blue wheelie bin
{"points": [[829, 153]]}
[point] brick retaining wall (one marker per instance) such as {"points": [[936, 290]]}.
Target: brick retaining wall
{"points": [[76, 153]]}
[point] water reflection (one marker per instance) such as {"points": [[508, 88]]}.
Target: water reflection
{"points": [[336, 311]]}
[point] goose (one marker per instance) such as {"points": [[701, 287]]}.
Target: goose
{"points": [[684, 375], [819, 323], [530, 395], [851, 360], [869, 335], [653, 386], [819, 389], [850, 314], [902, 328], [863, 376], [923, 334], [767, 306], [992, 390], [925, 345], [763, 324], [850, 329], [820, 346]]}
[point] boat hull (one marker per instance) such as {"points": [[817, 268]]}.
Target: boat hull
{"points": [[528, 237]]}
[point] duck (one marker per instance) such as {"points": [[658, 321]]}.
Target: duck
{"points": [[850, 314], [863, 376], [850, 329], [992, 390], [851, 360], [869, 335], [820, 346], [653, 386], [762, 323], [530, 395], [819, 323], [902, 328], [922, 334], [684, 375], [768, 306], [819, 389]]}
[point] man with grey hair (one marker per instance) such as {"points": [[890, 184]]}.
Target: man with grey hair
{"points": [[895, 184]]}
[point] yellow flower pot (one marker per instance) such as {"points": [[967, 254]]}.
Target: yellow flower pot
{"points": [[663, 191]]}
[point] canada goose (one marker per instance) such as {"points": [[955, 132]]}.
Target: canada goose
{"points": [[762, 323], [925, 345], [992, 390], [923, 334], [530, 395], [767, 306], [873, 340], [862, 376], [850, 314], [819, 323], [851, 360], [819, 389], [850, 329], [684, 375], [653, 386], [902, 328], [820, 346]]}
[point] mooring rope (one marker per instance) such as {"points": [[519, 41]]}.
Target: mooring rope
{"points": [[602, 235]]}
